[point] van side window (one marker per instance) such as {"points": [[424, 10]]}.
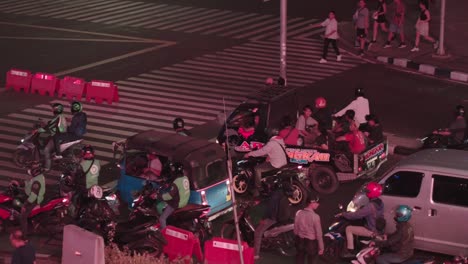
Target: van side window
{"points": [[450, 190], [404, 184]]}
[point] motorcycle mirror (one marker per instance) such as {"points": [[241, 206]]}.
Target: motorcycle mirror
{"points": [[340, 206]]}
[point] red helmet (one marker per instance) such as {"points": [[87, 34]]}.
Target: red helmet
{"points": [[269, 81], [320, 102], [373, 190], [87, 152]]}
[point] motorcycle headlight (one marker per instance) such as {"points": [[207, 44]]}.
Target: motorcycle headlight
{"points": [[22, 140], [351, 207]]}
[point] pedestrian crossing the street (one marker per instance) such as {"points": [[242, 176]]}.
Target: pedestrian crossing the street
{"points": [[187, 19], [193, 89]]}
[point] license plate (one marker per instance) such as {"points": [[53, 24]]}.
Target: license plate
{"points": [[371, 164]]}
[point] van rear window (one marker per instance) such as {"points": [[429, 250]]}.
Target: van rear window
{"points": [[450, 190]]}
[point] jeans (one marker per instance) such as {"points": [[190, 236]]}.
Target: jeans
{"points": [[356, 230], [389, 258], [261, 228], [28, 207], [259, 169], [326, 43], [165, 214], [306, 247]]}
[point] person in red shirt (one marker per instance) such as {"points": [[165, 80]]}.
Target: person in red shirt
{"points": [[289, 133], [355, 138]]}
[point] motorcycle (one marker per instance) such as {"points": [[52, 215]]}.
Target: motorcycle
{"points": [[48, 218], [192, 217], [140, 234], [31, 148], [244, 178], [279, 237]]}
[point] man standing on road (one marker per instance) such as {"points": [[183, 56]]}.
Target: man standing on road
{"points": [[331, 35], [397, 25], [308, 231], [24, 252], [361, 20]]}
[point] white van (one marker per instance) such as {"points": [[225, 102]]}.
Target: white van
{"points": [[434, 183]]}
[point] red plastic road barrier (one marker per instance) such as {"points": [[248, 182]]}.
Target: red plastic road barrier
{"points": [[18, 79], [71, 87], [226, 251], [181, 244], [102, 90], [44, 83]]}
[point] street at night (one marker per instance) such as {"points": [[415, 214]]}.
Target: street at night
{"points": [[198, 59]]}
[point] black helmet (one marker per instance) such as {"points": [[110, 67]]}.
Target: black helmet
{"points": [[460, 110], [176, 169], [35, 168], [178, 123], [87, 152], [359, 92], [57, 108], [76, 107]]}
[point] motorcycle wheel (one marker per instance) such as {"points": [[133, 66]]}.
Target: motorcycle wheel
{"points": [[287, 246], [324, 180], [22, 157], [240, 182], [299, 193], [228, 230]]}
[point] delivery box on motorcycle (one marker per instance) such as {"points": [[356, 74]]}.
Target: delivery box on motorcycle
{"points": [[204, 164], [434, 183]]}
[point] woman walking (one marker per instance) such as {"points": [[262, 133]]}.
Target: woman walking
{"points": [[422, 27], [379, 20]]}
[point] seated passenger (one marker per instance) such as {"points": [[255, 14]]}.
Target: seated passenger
{"points": [[289, 133], [372, 129], [307, 126], [355, 138], [154, 167], [247, 127], [321, 142], [343, 123]]}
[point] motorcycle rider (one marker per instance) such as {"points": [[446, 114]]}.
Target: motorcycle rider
{"points": [[275, 150], [373, 129], [178, 194], [399, 242], [75, 130], [179, 127], [90, 166], [308, 232], [56, 126], [277, 211], [372, 212], [35, 189], [457, 128], [360, 105]]}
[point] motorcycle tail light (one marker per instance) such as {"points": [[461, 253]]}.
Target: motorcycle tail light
{"points": [[203, 197], [66, 201], [154, 227], [111, 197]]}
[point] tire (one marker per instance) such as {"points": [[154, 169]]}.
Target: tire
{"points": [[323, 180], [240, 183], [22, 157], [299, 194], [228, 230]]}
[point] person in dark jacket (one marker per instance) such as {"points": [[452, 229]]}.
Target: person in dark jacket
{"points": [[399, 242], [24, 252], [372, 129], [277, 211], [370, 212], [323, 114]]}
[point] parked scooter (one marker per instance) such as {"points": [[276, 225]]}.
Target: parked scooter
{"points": [[31, 148], [279, 237], [244, 179]]}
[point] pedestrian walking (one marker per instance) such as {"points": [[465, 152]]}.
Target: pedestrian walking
{"points": [[422, 28], [361, 23], [397, 25], [331, 36], [308, 232], [24, 252], [379, 20]]}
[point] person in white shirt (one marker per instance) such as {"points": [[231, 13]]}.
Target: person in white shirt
{"points": [[360, 105], [331, 35], [276, 158]]}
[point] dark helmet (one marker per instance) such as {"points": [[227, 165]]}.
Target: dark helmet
{"points": [[359, 92], [403, 213], [57, 108], [76, 107], [35, 168], [176, 169], [87, 152], [460, 110], [178, 123]]}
